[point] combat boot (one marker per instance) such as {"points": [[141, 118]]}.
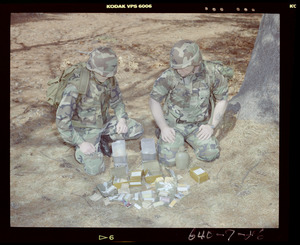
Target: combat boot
{"points": [[104, 145]]}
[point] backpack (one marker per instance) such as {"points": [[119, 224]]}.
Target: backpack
{"points": [[226, 71], [57, 85]]}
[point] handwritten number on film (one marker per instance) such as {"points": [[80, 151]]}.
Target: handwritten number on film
{"points": [[228, 234]]}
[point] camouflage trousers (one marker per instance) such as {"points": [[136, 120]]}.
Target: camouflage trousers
{"points": [[205, 150], [94, 163]]}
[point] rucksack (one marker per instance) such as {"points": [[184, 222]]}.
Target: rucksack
{"points": [[225, 70], [57, 85]]}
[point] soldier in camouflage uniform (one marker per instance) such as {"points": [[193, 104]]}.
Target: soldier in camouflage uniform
{"points": [[186, 88], [84, 120]]}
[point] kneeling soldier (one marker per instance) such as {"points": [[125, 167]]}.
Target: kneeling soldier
{"points": [[186, 88], [84, 120]]}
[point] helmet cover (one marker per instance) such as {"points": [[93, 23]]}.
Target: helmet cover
{"points": [[103, 60], [185, 53]]}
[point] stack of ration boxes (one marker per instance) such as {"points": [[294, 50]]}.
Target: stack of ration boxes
{"points": [[161, 190], [120, 170], [150, 164]]}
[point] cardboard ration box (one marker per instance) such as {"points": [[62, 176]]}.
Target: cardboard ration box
{"points": [[119, 148], [120, 159], [117, 182], [119, 154], [151, 176], [157, 204], [124, 188], [148, 149], [120, 172], [183, 188], [120, 165], [198, 174], [151, 171], [166, 188], [148, 195], [135, 178], [134, 183], [148, 156], [119, 176]]}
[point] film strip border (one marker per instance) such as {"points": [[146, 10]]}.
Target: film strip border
{"points": [[219, 7], [138, 6]]}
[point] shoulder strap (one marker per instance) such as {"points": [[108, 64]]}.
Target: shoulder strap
{"points": [[175, 82], [208, 80], [208, 74], [84, 81], [113, 82]]}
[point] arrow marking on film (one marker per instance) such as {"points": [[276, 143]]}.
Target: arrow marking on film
{"points": [[102, 237]]}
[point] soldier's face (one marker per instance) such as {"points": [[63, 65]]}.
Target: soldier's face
{"points": [[185, 71], [99, 77]]}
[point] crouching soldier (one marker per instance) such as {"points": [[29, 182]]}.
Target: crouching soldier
{"points": [[186, 88], [83, 120]]}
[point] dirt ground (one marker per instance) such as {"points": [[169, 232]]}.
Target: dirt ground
{"points": [[48, 188]]}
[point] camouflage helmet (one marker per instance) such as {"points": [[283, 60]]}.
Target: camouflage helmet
{"points": [[104, 61], [185, 53]]}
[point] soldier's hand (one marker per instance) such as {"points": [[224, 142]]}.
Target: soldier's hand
{"points": [[168, 134], [87, 148], [205, 132], [122, 126]]}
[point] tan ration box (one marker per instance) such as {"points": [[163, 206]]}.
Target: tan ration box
{"points": [[117, 182], [150, 177], [119, 176], [134, 183], [136, 176], [151, 171], [151, 165], [198, 174]]}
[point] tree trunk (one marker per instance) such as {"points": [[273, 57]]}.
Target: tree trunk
{"points": [[258, 97]]}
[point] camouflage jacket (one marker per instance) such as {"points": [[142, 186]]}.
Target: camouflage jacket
{"points": [[188, 99], [90, 110]]}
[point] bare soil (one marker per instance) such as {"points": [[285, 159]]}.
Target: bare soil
{"points": [[48, 188]]}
